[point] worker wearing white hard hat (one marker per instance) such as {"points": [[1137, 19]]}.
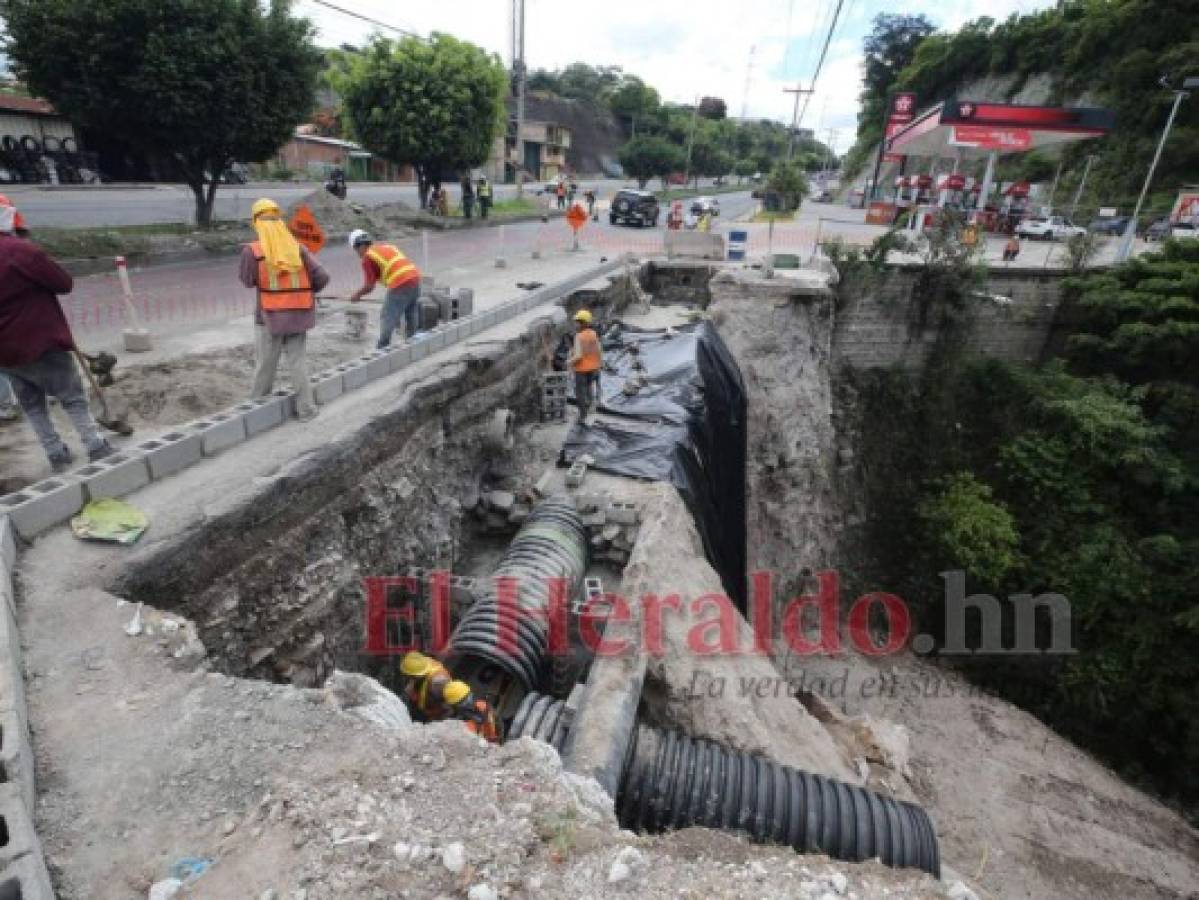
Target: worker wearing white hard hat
{"points": [[400, 276]]}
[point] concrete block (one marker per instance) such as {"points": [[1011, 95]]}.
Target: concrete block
{"points": [[420, 349], [16, 755], [435, 341], [26, 878], [114, 476], [575, 475], [42, 505], [17, 822], [171, 452], [220, 431], [8, 543], [259, 415], [399, 357], [377, 363], [327, 385], [623, 513], [288, 399], [354, 375]]}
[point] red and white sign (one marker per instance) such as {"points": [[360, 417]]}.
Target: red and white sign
{"points": [[982, 137], [903, 109], [952, 182]]}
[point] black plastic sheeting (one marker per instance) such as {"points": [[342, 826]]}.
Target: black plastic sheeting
{"points": [[672, 781], [685, 425]]}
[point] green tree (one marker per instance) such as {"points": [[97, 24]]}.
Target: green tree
{"points": [[713, 108], [649, 156], [200, 84], [789, 184], [968, 527], [634, 101], [436, 105]]}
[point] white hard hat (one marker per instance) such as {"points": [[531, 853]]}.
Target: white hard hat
{"points": [[358, 236]]}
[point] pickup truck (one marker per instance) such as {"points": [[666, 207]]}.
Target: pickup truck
{"points": [[1048, 228]]}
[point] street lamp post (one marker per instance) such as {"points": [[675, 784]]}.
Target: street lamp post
{"points": [[1130, 230]]}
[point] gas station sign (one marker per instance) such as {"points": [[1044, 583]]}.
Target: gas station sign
{"points": [[983, 137]]}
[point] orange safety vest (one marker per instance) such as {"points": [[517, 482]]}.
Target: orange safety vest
{"points": [[484, 723], [589, 360], [281, 290], [395, 268]]}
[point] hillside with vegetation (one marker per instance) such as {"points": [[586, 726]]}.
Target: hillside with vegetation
{"points": [[1111, 53]]}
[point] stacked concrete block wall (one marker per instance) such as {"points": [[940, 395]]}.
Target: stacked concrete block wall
{"points": [[1011, 318]]}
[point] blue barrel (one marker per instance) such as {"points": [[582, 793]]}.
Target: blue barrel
{"points": [[737, 241]]}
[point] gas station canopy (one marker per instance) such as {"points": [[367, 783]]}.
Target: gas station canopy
{"points": [[966, 128]]}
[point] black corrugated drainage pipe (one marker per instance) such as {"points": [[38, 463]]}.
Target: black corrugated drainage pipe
{"points": [[672, 781], [552, 544]]}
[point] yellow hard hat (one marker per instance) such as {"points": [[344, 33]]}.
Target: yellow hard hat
{"points": [[264, 207], [414, 664], [455, 692], [583, 316]]}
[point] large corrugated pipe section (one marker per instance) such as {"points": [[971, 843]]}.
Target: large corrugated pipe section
{"points": [[552, 544], [672, 781]]}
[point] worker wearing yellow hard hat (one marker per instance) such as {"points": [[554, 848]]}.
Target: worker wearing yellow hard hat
{"points": [[434, 694], [585, 359]]}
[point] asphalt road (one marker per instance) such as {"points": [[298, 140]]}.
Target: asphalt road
{"points": [[86, 207]]}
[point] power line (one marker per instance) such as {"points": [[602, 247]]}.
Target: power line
{"points": [[368, 19], [828, 39]]}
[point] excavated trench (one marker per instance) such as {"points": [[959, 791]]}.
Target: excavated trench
{"points": [[278, 587]]}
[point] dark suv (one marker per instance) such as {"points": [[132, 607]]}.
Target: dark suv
{"points": [[634, 207]]}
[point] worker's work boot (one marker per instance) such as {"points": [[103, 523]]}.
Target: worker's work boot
{"points": [[62, 459], [100, 451]]}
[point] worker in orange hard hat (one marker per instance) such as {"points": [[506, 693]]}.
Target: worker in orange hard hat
{"points": [[19, 228]]}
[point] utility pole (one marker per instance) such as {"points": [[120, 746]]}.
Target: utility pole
{"points": [[518, 74], [794, 117], [690, 143], [1081, 184], [1053, 188], [1130, 231]]}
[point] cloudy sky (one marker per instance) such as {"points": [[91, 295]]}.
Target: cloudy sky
{"points": [[684, 48]]}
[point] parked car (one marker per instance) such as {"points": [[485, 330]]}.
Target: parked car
{"points": [[631, 207], [709, 205], [1048, 228], [1109, 225], [1184, 231], [1157, 230]]}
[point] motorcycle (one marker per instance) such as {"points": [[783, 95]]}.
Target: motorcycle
{"points": [[336, 184]]}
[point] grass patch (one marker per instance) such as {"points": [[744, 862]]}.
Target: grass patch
{"points": [[515, 206], [136, 240], [764, 216], [709, 191]]}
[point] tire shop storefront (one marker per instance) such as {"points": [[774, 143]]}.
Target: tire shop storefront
{"points": [[38, 145]]}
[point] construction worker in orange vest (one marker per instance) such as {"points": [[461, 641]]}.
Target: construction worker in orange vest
{"points": [[586, 358], [401, 278], [433, 694], [287, 278]]}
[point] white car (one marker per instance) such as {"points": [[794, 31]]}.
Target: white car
{"points": [[1048, 228], [1184, 231], [701, 205]]}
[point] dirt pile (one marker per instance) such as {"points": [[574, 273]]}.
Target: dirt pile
{"points": [[337, 216]]}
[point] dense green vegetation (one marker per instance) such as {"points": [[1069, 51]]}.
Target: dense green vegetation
{"points": [[1079, 478], [719, 145], [1109, 52]]}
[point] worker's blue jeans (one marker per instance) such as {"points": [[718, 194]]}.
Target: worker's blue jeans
{"points": [[54, 374], [401, 303]]}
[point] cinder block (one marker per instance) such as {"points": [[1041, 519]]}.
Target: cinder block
{"points": [[354, 375], [622, 513], [8, 543], [327, 385], [114, 476], [170, 452], [16, 821], [16, 755], [26, 878], [288, 399], [435, 341], [377, 364], [42, 505], [420, 349], [398, 357], [222, 430], [575, 475]]}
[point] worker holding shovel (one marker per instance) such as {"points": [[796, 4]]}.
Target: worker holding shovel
{"points": [[36, 345]]}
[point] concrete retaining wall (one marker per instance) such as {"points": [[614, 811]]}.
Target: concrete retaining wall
{"points": [[878, 326]]}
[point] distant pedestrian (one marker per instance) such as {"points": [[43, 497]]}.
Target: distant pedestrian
{"points": [[443, 202], [1011, 249], [484, 195], [560, 192], [571, 191], [589, 196], [36, 346], [286, 278], [387, 263], [468, 196]]}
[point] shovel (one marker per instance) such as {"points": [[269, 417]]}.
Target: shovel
{"points": [[120, 426]]}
